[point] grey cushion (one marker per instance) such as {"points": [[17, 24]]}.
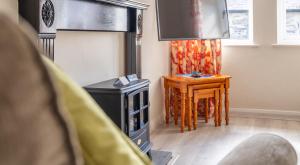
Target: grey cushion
{"points": [[34, 129], [262, 149]]}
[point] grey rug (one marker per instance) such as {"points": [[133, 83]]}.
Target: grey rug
{"points": [[161, 157]]}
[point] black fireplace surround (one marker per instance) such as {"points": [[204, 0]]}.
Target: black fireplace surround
{"points": [[50, 16]]}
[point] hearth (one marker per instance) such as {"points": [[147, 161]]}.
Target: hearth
{"points": [[128, 106]]}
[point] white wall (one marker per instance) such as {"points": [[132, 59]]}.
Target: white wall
{"points": [[264, 77], [155, 63], [90, 57]]}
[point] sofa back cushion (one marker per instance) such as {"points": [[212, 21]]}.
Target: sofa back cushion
{"points": [[34, 130]]}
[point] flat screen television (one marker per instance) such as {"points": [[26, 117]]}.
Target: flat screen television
{"points": [[192, 19]]}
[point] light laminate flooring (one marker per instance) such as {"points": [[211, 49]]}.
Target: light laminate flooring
{"points": [[208, 145]]}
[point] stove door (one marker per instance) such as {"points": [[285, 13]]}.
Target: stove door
{"points": [[138, 110]]}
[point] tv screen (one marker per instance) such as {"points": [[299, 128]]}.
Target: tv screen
{"points": [[192, 19]]}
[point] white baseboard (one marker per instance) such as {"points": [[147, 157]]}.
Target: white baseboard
{"points": [[266, 113]]}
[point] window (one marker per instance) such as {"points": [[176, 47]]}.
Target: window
{"points": [[240, 21], [288, 21]]}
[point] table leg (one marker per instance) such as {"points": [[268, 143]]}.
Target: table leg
{"points": [[227, 102], [195, 114], [175, 107], [216, 108], [167, 105], [182, 112], [206, 110], [221, 105], [190, 113]]}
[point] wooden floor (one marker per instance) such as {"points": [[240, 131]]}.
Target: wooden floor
{"points": [[208, 145]]}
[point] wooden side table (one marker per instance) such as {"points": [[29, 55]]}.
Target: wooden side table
{"points": [[182, 84]]}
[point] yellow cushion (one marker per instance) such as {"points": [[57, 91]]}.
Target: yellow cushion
{"points": [[101, 140]]}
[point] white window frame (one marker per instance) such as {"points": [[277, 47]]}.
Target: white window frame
{"points": [[249, 41], [282, 39]]}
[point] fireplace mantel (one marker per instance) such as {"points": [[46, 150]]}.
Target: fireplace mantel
{"points": [[50, 16], [127, 3]]}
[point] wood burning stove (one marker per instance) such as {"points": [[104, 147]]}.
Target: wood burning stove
{"points": [[128, 106]]}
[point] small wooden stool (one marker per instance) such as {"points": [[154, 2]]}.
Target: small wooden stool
{"points": [[206, 94], [191, 90]]}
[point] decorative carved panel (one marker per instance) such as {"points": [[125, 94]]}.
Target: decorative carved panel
{"points": [[48, 16], [48, 13], [139, 22]]}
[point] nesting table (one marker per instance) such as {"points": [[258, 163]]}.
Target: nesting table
{"points": [[182, 84]]}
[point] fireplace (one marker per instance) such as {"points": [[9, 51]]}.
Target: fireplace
{"points": [[128, 106]]}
